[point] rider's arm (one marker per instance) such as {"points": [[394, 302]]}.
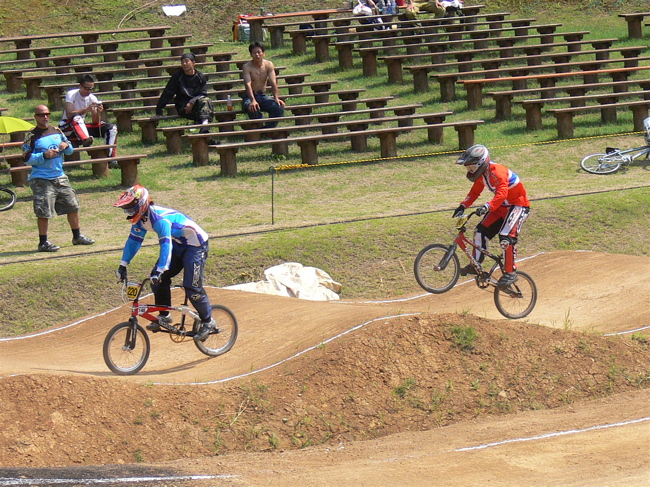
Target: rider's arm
{"points": [[474, 193], [133, 244]]}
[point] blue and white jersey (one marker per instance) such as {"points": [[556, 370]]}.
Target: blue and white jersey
{"points": [[36, 144], [171, 226]]}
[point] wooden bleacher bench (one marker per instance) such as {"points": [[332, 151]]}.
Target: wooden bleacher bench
{"points": [[149, 127], [308, 144], [110, 50], [394, 63], [156, 66], [256, 23], [34, 81], [503, 99], [474, 87], [564, 116], [475, 99], [634, 23], [173, 135], [534, 107], [88, 36], [256, 132], [322, 38], [128, 164]]}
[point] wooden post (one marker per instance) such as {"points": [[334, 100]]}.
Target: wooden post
{"points": [[174, 141], [308, 151], [200, 151], [465, 136], [388, 144], [228, 160], [564, 124], [129, 169]]}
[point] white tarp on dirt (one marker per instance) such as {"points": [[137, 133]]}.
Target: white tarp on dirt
{"points": [[296, 281]]}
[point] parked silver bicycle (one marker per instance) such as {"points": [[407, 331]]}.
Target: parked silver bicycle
{"points": [[613, 158]]}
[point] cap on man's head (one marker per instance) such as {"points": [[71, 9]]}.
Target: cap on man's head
{"points": [[189, 55]]}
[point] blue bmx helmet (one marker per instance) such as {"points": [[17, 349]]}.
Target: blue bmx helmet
{"points": [[476, 160]]}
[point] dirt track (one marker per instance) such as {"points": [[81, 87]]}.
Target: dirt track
{"points": [[577, 290]]}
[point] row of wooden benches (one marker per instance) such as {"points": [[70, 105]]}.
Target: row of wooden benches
{"points": [[128, 164]]}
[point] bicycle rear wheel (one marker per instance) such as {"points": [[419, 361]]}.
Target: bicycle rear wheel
{"points": [[602, 163], [428, 272], [7, 199], [126, 351], [518, 299], [224, 337]]}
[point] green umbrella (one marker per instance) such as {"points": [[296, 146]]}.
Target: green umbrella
{"points": [[12, 124]]}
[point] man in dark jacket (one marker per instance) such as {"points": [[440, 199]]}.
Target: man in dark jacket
{"points": [[189, 87]]}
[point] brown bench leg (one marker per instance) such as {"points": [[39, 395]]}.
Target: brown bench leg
{"points": [[18, 178], [421, 81], [369, 63], [359, 143], [533, 115], [129, 169], [394, 67], [149, 134], [280, 148], [345, 57], [277, 37], [308, 151], [298, 42], [639, 113], [474, 95], [123, 121], [465, 136], [200, 156], [564, 125], [13, 83], [503, 107], [100, 169], [634, 27], [174, 142], [435, 134], [33, 88], [388, 144], [228, 161], [322, 50]]}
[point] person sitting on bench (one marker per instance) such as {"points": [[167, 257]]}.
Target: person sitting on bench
{"points": [[257, 73], [189, 88], [78, 102]]}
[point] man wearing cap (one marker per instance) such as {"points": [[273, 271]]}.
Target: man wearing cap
{"points": [[189, 87]]}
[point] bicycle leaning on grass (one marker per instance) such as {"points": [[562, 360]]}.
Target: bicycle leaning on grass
{"points": [[613, 158], [437, 269], [127, 345], [7, 199]]}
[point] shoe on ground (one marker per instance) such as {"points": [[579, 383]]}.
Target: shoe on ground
{"points": [[82, 240], [88, 142], [48, 246], [155, 326], [213, 141], [114, 165], [507, 279], [468, 270], [204, 331]]}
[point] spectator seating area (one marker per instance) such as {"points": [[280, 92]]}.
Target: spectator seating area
{"points": [[517, 64]]}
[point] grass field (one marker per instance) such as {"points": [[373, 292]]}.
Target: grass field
{"points": [[359, 218]]}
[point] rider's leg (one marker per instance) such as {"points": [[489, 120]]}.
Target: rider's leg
{"points": [[509, 233], [194, 265]]}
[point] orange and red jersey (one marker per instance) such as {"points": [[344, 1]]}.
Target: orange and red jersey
{"points": [[507, 188]]}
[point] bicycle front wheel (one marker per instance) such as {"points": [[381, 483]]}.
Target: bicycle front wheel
{"points": [[429, 272], [602, 163], [224, 337], [7, 199], [126, 350], [518, 299]]}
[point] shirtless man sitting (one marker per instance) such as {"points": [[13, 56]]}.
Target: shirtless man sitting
{"points": [[258, 73]]}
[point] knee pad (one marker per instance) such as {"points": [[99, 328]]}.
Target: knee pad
{"points": [[506, 241]]}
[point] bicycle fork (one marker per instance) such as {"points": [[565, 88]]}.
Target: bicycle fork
{"points": [[447, 257], [131, 336]]}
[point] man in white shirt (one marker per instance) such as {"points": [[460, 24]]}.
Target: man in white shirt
{"points": [[80, 101]]}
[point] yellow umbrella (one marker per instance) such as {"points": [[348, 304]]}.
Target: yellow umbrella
{"points": [[13, 124]]}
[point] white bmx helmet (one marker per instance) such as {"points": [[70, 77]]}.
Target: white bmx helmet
{"points": [[476, 160], [646, 127]]}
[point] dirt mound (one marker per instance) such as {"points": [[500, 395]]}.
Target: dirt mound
{"points": [[405, 374]]}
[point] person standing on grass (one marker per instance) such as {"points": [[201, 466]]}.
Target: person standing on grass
{"points": [[257, 74], [504, 214], [78, 103], [189, 88], [43, 149]]}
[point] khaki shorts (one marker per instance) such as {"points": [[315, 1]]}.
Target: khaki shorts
{"points": [[53, 196]]}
